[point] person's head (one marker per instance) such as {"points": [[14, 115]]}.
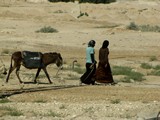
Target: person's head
{"points": [[105, 44], [91, 43]]}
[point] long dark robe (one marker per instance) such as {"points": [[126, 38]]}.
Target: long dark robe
{"points": [[87, 76], [103, 73]]}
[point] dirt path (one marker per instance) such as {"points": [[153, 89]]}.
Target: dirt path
{"points": [[122, 101]]}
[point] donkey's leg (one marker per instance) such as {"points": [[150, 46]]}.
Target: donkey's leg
{"points": [[10, 71], [37, 74], [17, 73], [45, 70]]}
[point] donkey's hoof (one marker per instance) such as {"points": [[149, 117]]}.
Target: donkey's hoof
{"points": [[35, 82], [4, 73], [21, 82]]}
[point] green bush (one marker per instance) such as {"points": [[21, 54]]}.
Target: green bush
{"points": [[97, 1], [4, 100], [134, 76], [128, 72], [132, 26], [143, 28], [155, 72], [85, 1], [116, 101], [47, 30], [157, 67], [148, 28], [82, 14], [121, 70], [11, 111], [153, 58], [146, 66]]}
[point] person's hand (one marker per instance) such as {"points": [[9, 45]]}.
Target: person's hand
{"points": [[91, 67]]}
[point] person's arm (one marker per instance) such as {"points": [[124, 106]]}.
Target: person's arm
{"points": [[92, 58], [93, 61]]}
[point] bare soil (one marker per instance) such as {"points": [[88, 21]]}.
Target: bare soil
{"points": [[65, 99]]}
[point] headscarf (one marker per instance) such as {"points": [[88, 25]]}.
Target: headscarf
{"points": [[105, 44], [91, 43]]}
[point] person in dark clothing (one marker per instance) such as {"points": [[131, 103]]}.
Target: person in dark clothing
{"points": [[90, 64], [103, 73]]}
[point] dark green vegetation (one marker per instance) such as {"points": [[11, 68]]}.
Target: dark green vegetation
{"points": [[85, 1], [143, 28]]}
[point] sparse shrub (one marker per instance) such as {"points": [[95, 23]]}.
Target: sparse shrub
{"points": [[107, 26], [157, 67], [146, 66], [4, 100], [121, 70], [86, 14], [82, 14], [5, 51], [136, 76], [153, 58], [47, 30], [86, 1], [62, 107], [40, 101], [143, 28], [132, 26], [129, 74], [53, 114], [155, 72], [11, 111], [89, 110], [148, 28], [116, 101], [15, 113]]}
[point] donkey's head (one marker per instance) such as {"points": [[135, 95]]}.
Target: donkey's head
{"points": [[59, 61]]}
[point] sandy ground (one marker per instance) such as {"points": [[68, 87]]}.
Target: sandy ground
{"points": [[65, 99]]}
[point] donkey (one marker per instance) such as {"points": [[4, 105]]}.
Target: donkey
{"points": [[46, 59]]}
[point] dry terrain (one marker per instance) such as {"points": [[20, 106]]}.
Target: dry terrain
{"points": [[65, 99]]}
